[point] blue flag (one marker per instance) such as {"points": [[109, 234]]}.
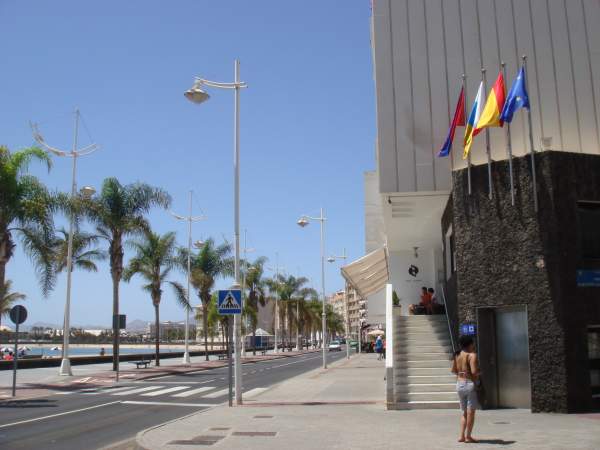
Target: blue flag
{"points": [[517, 97]]}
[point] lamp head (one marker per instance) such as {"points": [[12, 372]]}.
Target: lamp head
{"points": [[303, 221], [199, 243], [331, 259], [196, 94], [87, 191]]}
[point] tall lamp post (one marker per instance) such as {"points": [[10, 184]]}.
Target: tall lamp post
{"points": [[197, 95], [189, 219], [246, 250], [86, 192], [303, 222], [332, 259]]}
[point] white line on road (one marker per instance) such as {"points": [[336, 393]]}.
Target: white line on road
{"points": [[138, 390], [164, 391], [255, 391], [197, 405], [194, 391], [217, 393], [57, 415]]}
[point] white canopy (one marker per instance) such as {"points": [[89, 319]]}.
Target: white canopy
{"points": [[261, 332], [368, 274]]}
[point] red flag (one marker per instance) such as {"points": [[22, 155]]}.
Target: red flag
{"points": [[458, 121]]}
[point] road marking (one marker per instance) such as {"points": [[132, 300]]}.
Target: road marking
{"points": [[217, 393], [255, 391], [194, 391], [164, 391], [196, 405], [57, 415], [138, 390]]}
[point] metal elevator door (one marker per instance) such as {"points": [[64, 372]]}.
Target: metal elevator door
{"points": [[512, 357]]}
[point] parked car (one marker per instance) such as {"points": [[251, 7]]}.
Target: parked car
{"points": [[353, 343], [335, 346]]}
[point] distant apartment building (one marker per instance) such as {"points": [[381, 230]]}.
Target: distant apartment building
{"points": [[356, 314], [337, 300]]}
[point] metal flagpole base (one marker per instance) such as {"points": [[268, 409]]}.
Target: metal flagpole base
{"points": [[65, 368], [186, 358]]}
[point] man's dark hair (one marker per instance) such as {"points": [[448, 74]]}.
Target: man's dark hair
{"points": [[424, 288], [465, 341], [430, 290]]}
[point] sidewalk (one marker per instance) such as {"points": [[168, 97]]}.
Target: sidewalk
{"points": [[45, 381], [343, 408]]}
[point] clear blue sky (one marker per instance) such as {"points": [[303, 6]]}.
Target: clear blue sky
{"points": [[307, 122]]}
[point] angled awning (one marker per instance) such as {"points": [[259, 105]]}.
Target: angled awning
{"points": [[368, 274]]}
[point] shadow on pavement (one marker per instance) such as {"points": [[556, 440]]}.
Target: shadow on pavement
{"points": [[495, 441], [30, 403]]}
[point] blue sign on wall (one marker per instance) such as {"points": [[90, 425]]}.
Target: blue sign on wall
{"points": [[230, 301], [469, 329], [588, 278]]}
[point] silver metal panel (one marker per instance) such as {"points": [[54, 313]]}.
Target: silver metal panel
{"points": [[421, 111], [404, 96], [590, 139], [565, 85], [440, 115], [512, 356], [386, 103]]}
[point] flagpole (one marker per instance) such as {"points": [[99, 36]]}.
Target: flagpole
{"points": [[509, 148], [532, 152], [487, 140], [464, 86]]}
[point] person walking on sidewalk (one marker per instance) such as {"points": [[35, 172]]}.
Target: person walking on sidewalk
{"points": [[379, 347], [466, 369]]}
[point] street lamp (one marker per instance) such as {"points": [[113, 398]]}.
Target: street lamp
{"points": [[86, 192], [189, 219], [197, 95], [303, 222], [332, 259]]}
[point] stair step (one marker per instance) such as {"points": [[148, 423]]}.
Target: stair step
{"points": [[423, 326], [424, 405], [424, 318], [424, 379], [426, 396], [409, 364], [420, 332], [426, 387], [443, 371], [420, 356], [423, 349]]}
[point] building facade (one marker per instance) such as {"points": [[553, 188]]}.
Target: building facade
{"points": [[520, 275]]}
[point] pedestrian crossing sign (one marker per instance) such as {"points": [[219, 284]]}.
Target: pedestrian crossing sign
{"points": [[230, 301]]}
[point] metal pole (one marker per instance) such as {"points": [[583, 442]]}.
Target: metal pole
{"points": [[509, 149], [244, 289], [324, 314], [276, 324], [236, 318], [186, 353], [65, 365], [464, 85], [347, 321], [532, 154], [16, 354], [229, 368], [487, 141]]}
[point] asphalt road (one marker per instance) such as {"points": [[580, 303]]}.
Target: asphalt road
{"points": [[96, 418]]}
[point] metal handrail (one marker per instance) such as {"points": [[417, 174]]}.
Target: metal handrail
{"points": [[448, 321]]}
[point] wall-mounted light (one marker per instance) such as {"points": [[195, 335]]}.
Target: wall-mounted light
{"points": [[416, 251]]}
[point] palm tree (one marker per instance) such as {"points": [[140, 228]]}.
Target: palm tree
{"points": [[119, 211], [82, 257], [26, 210], [207, 265], [153, 262], [256, 294], [304, 316], [7, 298]]}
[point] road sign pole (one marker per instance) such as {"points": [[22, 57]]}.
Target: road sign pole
{"points": [[230, 361], [16, 358]]}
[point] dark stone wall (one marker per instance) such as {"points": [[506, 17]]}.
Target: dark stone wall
{"points": [[450, 283], [511, 255]]}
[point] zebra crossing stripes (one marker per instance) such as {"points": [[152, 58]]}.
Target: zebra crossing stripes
{"points": [[217, 393], [138, 390], [194, 391], [165, 391]]}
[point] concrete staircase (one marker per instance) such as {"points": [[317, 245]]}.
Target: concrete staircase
{"points": [[422, 363]]}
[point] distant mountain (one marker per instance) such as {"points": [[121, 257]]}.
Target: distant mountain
{"points": [[137, 325]]}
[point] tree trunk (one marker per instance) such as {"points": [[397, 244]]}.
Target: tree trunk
{"points": [[116, 269], [205, 326], [157, 337], [254, 341]]}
